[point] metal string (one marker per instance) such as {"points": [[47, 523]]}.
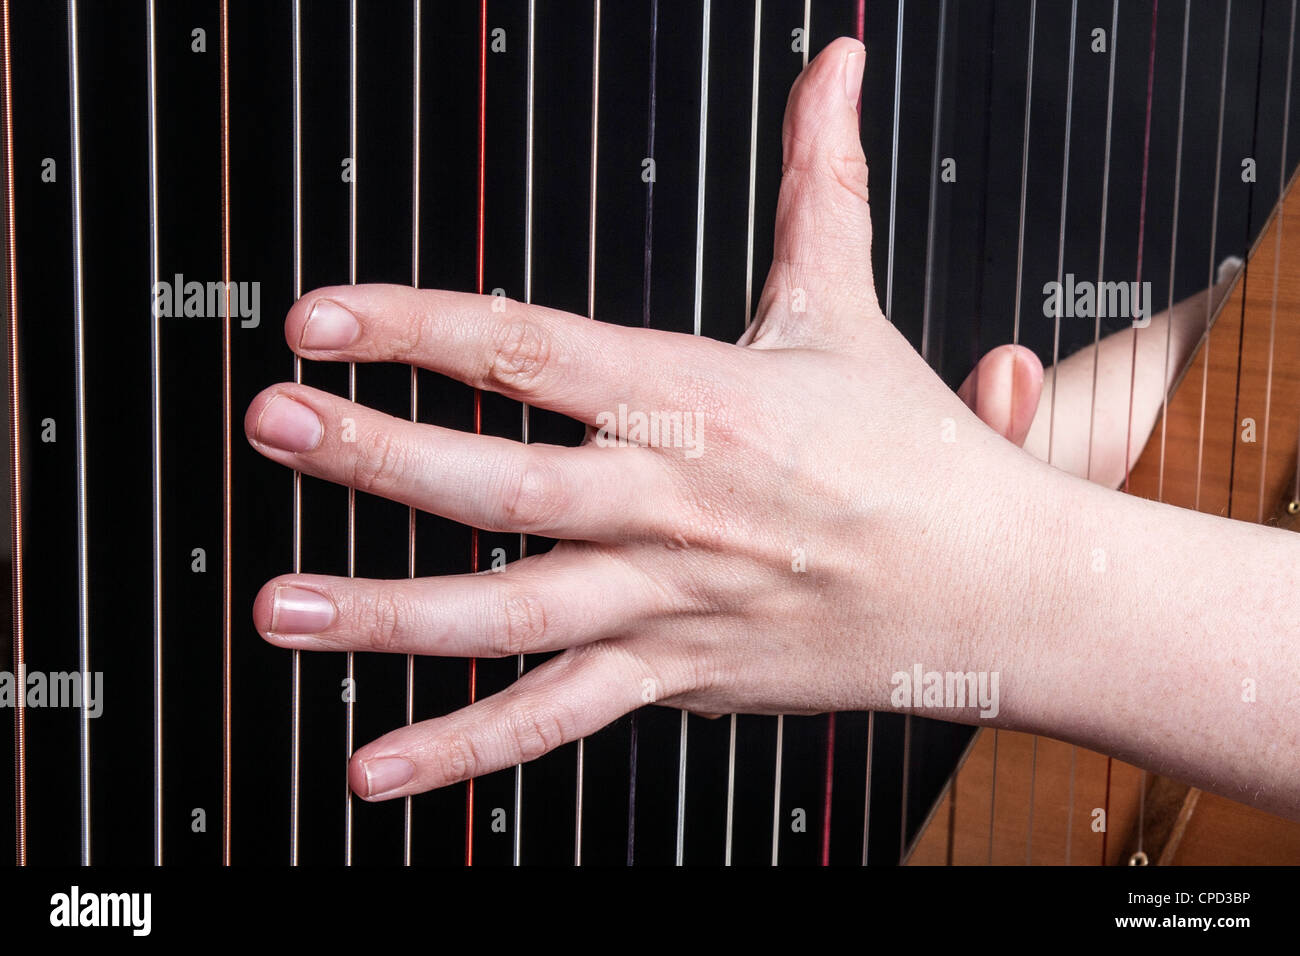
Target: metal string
{"points": [[478, 395], [350, 706], [1015, 340], [156, 442], [934, 186], [1173, 249], [155, 418], [925, 341], [699, 302], [749, 305], [889, 314], [1214, 228], [407, 820], [295, 680], [227, 506], [1142, 221], [1056, 331], [83, 547], [1277, 270], [634, 729], [15, 449], [591, 313], [1096, 343], [517, 848], [1245, 270]]}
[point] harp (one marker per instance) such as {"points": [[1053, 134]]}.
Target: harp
{"points": [[617, 162]]}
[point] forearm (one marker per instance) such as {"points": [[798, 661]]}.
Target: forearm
{"points": [[1165, 637], [1073, 416]]}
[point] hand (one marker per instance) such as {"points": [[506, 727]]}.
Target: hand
{"points": [[842, 519]]}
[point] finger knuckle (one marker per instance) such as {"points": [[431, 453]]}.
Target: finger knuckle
{"points": [[534, 732], [411, 332], [530, 496], [457, 757], [388, 614], [379, 461], [850, 171], [521, 352], [523, 625]]}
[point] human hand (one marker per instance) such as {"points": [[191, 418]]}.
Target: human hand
{"points": [[840, 519]]}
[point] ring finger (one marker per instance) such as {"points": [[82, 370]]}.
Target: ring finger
{"points": [[542, 603]]}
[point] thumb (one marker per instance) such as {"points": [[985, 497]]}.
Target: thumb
{"points": [[820, 283], [1003, 391]]}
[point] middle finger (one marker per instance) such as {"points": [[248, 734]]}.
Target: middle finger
{"points": [[587, 493]]}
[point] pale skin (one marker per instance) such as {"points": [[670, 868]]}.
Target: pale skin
{"points": [[822, 432]]}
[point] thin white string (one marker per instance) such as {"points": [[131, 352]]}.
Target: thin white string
{"points": [[1056, 334], [517, 848], [408, 821], [1015, 340], [1277, 263], [295, 687], [1214, 228], [155, 398], [352, 396], [699, 304], [749, 297], [591, 312], [78, 315]]}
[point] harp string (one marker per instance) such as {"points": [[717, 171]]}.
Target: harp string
{"points": [[1277, 272], [1056, 331], [83, 545], [889, 314], [634, 729], [780, 718], [591, 313], [15, 450], [478, 394], [407, 817], [893, 165], [699, 302], [936, 130], [1015, 341], [1214, 228], [227, 504], [517, 847], [1096, 341], [1128, 435], [776, 794], [934, 185], [295, 675], [749, 298], [350, 705], [1245, 269], [829, 789], [1169, 326], [1173, 248], [979, 276], [155, 421]]}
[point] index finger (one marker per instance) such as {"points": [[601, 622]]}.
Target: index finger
{"points": [[573, 365]]}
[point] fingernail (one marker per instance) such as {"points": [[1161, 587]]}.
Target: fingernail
{"points": [[386, 773], [289, 425], [854, 64], [330, 326], [299, 611]]}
